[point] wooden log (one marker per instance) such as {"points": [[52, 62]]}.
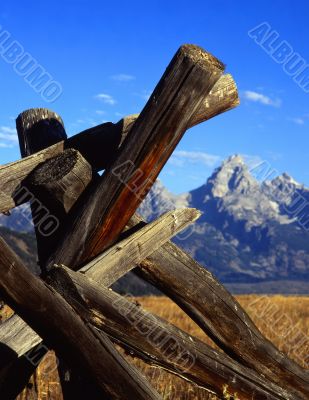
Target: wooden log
{"points": [[223, 97], [126, 124], [54, 187], [80, 344], [57, 184], [126, 254], [19, 339], [37, 129], [159, 343], [60, 180], [95, 224], [212, 307], [107, 278], [98, 144], [130, 251]]}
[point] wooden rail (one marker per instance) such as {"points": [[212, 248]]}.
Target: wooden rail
{"points": [[98, 144]]}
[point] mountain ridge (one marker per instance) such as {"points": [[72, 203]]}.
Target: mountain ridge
{"points": [[249, 231]]}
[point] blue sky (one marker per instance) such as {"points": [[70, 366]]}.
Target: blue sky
{"points": [[108, 57]]}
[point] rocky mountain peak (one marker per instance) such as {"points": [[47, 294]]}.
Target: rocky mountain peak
{"points": [[233, 175]]}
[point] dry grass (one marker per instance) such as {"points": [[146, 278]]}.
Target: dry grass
{"points": [[283, 320]]}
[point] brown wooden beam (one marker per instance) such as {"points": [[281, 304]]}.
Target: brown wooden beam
{"points": [[96, 222], [158, 343], [127, 253], [64, 330], [37, 129], [219, 314], [54, 187], [98, 144]]}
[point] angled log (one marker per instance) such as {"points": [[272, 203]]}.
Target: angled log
{"points": [[98, 144], [223, 97], [130, 251], [19, 338], [37, 129], [126, 254], [158, 343], [80, 344], [55, 185], [212, 307], [204, 363], [13, 174], [95, 223]]}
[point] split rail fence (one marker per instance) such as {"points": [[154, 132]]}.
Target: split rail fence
{"points": [[89, 236]]}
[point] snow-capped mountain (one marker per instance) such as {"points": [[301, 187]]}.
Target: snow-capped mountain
{"points": [[249, 230]]}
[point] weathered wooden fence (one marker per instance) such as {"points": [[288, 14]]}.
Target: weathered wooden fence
{"points": [[89, 236]]}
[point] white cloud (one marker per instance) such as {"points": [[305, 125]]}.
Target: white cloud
{"points": [[5, 145], [100, 112], [8, 134], [106, 98], [261, 98], [297, 121], [180, 157], [123, 77]]}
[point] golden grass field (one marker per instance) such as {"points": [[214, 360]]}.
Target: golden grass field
{"points": [[284, 320]]}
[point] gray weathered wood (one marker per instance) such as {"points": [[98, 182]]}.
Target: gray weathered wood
{"points": [[59, 181], [55, 186], [99, 144], [212, 307], [159, 343], [78, 342], [126, 254], [37, 129]]}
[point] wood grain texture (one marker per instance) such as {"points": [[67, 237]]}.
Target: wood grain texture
{"points": [[159, 343], [96, 222], [37, 129], [126, 254], [212, 307], [55, 186], [79, 343], [98, 144], [60, 180]]}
